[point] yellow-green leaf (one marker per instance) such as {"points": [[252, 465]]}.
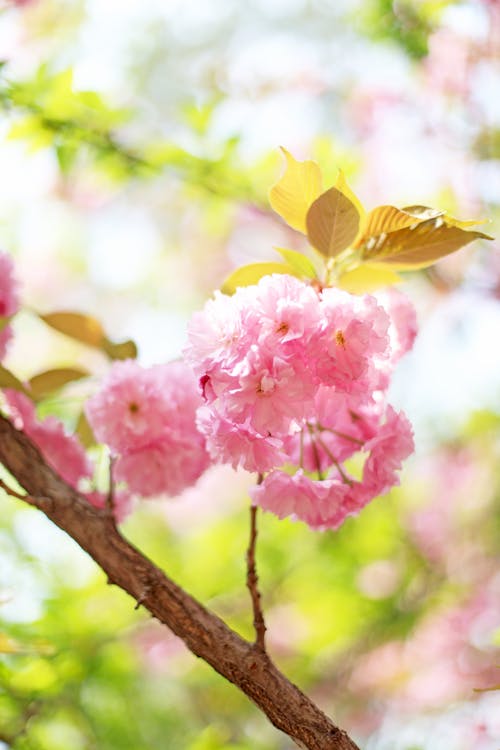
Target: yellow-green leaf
{"points": [[421, 245], [332, 223], [294, 193], [88, 330], [301, 264], [7, 645], [9, 380], [425, 212], [344, 188], [52, 380], [251, 274], [84, 431], [367, 278], [487, 689], [4, 322], [123, 350], [380, 221], [78, 326]]}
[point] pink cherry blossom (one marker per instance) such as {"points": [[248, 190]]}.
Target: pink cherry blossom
{"points": [[237, 444], [353, 332], [129, 410], [165, 467], [63, 452], [215, 334], [403, 321], [9, 303], [295, 376], [320, 504], [272, 392], [392, 444], [147, 416]]}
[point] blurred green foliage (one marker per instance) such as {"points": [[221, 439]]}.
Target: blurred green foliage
{"points": [[47, 112], [404, 23]]}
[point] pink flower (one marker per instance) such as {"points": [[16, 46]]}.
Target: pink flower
{"points": [[392, 443], [353, 332], [321, 504], [9, 303], [165, 467], [292, 376], [147, 418], [63, 452], [130, 410], [284, 310], [403, 322], [271, 392], [239, 445]]}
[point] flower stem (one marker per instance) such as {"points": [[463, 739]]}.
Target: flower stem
{"points": [[253, 580]]}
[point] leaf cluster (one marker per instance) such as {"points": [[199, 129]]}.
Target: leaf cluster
{"points": [[356, 250]]}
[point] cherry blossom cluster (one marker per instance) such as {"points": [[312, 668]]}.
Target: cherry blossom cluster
{"points": [[147, 418], [293, 381], [283, 379], [9, 303]]}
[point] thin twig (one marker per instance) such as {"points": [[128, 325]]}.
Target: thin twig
{"points": [[340, 434], [35, 500], [332, 458], [110, 500], [253, 580], [5, 487], [316, 455]]}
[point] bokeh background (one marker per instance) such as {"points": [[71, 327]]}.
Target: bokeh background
{"points": [[139, 139]]}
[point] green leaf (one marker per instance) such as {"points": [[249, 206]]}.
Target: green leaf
{"points": [[419, 245], [368, 278], [301, 264], [49, 381], [88, 330], [294, 193], [9, 380], [332, 223], [251, 274]]}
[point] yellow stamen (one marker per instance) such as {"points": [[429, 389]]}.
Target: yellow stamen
{"points": [[340, 339]]}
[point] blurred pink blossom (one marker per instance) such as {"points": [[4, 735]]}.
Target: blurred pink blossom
{"points": [[63, 452], [9, 302]]}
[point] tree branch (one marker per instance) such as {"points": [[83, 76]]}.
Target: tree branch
{"points": [[205, 634]]}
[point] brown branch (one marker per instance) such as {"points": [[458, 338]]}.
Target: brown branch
{"points": [[253, 582], [205, 634]]}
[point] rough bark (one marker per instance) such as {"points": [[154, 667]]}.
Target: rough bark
{"points": [[244, 664]]}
